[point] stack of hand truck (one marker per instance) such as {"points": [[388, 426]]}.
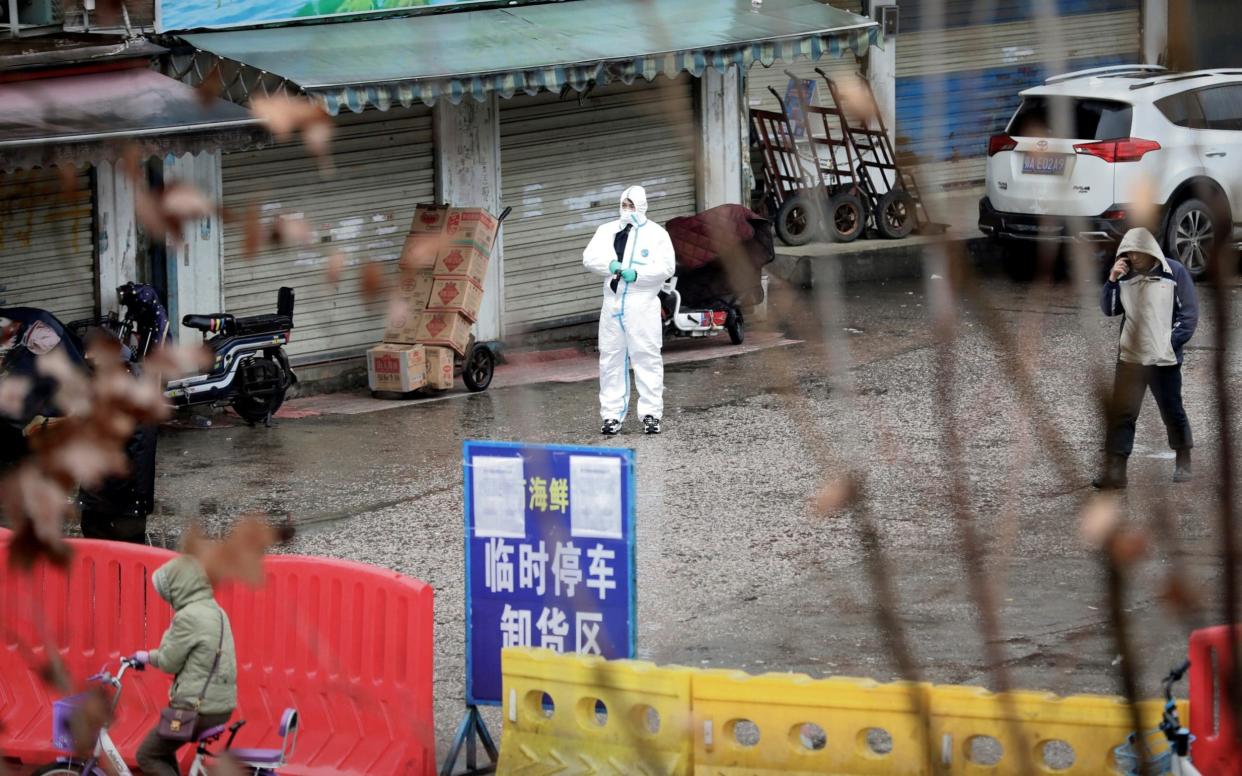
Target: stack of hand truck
{"points": [[838, 175]]}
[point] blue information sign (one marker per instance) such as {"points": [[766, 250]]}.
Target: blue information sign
{"points": [[549, 555]]}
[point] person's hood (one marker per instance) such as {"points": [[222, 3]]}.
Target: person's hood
{"points": [[1139, 240], [637, 195], [181, 581]]}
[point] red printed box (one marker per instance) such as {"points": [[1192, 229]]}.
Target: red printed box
{"points": [[448, 329], [462, 259], [398, 368], [455, 294]]}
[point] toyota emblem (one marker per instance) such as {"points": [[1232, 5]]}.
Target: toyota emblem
{"points": [[1042, 145]]}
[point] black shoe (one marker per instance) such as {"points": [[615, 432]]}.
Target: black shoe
{"points": [[1181, 470], [611, 427], [651, 424], [1114, 477]]}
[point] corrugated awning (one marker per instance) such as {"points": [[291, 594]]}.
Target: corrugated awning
{"points": [[535, 47], [78, 118]]}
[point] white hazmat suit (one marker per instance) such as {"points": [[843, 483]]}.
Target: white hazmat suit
{"points": [[630, 328]]}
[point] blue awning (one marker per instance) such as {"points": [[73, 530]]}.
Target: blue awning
{"points": [[535, 47]]}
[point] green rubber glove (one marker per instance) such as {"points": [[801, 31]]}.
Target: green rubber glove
{"points": [[629, 275], [614, 267]]}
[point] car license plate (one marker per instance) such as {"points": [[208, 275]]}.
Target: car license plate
{"points": [[1044, 164]]}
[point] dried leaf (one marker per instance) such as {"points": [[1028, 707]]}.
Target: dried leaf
{"points": [[67, 174], [224, 765], [53, 672], [13, 392], [855, 98], [181, 202], [92, 713], [317, 137], [835, 496], [292, 230], [1144, 211], [1179, 596], [210, 89], [335, 267], [1128, 546], [372, 280], [72, 395], [253, 231], [398, 312], [87, 461], [1100, 521], [240, 555]]}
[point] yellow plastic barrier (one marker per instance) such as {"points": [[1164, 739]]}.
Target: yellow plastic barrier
{"points": [[792, 724], [727, 723], [1074, 735], [566, 714]]}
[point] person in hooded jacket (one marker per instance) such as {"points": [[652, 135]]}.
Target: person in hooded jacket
{"points": [[636, 256], [1156, 298], [197, 649]]}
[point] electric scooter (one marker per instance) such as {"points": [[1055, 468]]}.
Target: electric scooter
{"points": [[249, 368], [706, 322]]}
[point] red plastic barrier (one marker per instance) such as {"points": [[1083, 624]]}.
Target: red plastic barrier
{"points": [[348, 645], [1215, 749]]}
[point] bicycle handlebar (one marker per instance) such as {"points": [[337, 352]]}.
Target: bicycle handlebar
{"points": [[1173, 678]]}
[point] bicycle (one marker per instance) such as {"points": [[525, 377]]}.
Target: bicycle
{"points": [[1174, 760], [255, 762]]}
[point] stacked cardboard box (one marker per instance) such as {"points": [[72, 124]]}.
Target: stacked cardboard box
{"points": [[443, 264]]}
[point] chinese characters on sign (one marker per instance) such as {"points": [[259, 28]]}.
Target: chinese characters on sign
{"points": [[795, 91], [550, 554]]}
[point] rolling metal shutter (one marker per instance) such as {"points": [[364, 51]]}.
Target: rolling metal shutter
{"points": [[47, 245], [382, 166], [563, 168], [759, 78], [958, 77]]}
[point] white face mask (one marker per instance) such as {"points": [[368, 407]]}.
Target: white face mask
{"points": [[632, 217]]}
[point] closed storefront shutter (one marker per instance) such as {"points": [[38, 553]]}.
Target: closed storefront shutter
{"points": [[382, 167], [564, 165], [958, 76], [760, 78], [47, 247]]}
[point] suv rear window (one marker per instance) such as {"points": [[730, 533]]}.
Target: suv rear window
{"points": [[1071, 118]]}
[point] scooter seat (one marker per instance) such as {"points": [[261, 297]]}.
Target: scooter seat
{"points": [[211, 732], [256, 756], [213, 324]]}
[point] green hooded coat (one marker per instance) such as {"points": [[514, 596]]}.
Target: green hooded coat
{"points": [[189, 645]]}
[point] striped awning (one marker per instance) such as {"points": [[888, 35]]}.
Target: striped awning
{"points": [[530, 48]]}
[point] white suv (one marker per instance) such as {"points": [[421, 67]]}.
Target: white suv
{"points": [[1083, 145]]}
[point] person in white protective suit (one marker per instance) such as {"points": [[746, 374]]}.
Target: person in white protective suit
{"points": [[636, 256]]}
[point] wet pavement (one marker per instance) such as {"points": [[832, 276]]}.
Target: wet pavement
{"points": [[734, 567]]}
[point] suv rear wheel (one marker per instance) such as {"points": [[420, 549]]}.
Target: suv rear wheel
{"points": [[1189, 236]]}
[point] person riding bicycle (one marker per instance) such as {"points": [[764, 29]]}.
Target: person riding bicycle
{"points": [[197, 649]]}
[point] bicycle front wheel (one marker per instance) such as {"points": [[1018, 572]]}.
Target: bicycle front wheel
{"points": [[59, 769]]}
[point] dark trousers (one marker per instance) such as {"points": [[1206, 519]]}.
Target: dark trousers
{"points": [[157, 756], [1129, 387]]}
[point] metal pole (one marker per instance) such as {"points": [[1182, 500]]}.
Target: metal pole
{"points": [[14, 27]]}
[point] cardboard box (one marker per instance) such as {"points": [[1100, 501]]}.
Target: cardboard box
{"points": [[439, 368], [472, 225], [457, 224], [447, 329], [462, 259], [419, 251], [455, 294], [429, 219], [398, 368], [415, 287]]}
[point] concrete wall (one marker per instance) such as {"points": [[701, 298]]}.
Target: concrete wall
{"points": [[467, 140], [722, 133], [195, 262], [116, 234]]}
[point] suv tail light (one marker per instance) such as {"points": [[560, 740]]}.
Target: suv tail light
{"points": [[998, 143], [1129, 149]]}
